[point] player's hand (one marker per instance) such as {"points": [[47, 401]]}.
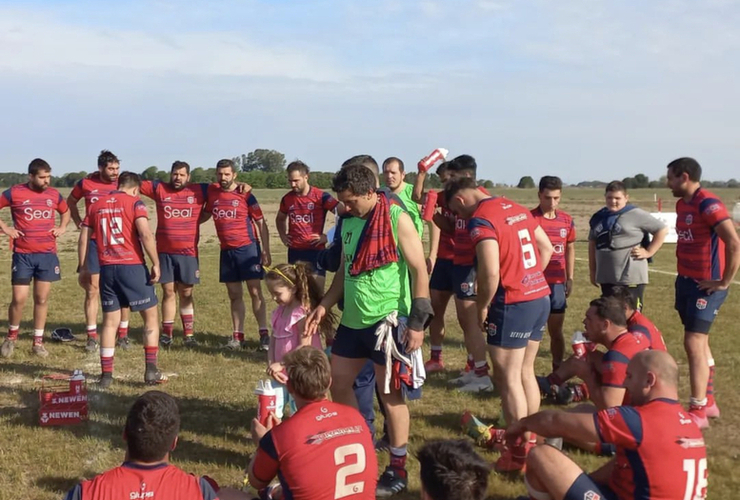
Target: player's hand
{"points": [[413, 339], [84, 277], [483, 319], [277, 372], [568, 287], [710, 286], [592, 278], [58, 231], [13, 233], [154, 275], [430, 264], [314, 320], [640, 253], [515, 431], [286, 240], [318, 239], [243, 187], [266, 259]]}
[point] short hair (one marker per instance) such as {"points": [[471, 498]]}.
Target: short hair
{"points": [[37, 166], [355, 178], [442, 168], [551, 182], [309, 373], [392, 159], [615, 186], [366, 161], [297, 166], [226, 163], [128, 180], [453, 186], [686, 166], [463, 163], [622, 293], [105, 157], [452, 470], [180, 164], [611, 309], [152, 425]]}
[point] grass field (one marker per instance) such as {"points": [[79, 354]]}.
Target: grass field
{"points": [[214, 387]]}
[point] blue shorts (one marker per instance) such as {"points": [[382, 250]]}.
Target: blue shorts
{"points": [[241, 264], [37, 266], [463, 281], [584, 488], [126, 285], [513, 325], [442, 276], [307, 255], [696, 308], [360, 344], [93, 264], [558, 302], [179, 269]]}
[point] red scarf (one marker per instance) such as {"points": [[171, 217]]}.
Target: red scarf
{"points": [[376, 246]]}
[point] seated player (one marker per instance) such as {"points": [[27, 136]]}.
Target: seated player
{"points": [[636, 321]]}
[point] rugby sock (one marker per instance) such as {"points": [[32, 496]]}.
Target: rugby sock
{"points": [[167, 328], [481, 368], [264, 332], [13, 332], [186, 316], [471, 363], [106, 359], [536, 494], [92, 332], [710, 383], [437, 353], [698, 406], [38, 336], [398, 459], [238, 336], [150, 355], [123, 329]]}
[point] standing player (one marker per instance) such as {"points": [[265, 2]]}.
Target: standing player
{"points": [[559, 272], [513, 297], [92, 188], [179, 206], [708, 255], [394, 175], [120, 224], [34, 237], [304, 208], [242, 257]]}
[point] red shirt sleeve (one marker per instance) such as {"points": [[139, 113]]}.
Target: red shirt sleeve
{"points": [[140, 210], [62, 206], [614, 369], [481, 229], [713, 211], [266, 463], [283, 205], [5, 199], [620, 425], [255, 212], [147, 189], [572, 232], [328, 201], [78, 191]]}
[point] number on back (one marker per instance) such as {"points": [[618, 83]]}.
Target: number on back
{"points": [[529, 256], [112, 231], [696, 478], [342, 488]]}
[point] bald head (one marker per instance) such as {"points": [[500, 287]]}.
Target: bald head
{"points": [[651, 375], [659, 362]]}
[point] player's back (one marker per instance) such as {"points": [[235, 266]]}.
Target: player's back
{"points": [[139, 482], [325, 451], [112, 222], [639, 323]]}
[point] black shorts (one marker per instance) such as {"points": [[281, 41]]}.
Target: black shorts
{"points": [[307, 255], [126, 285], [179, 269], [696, 308], [36, 266], [442, 276], [558, 301], [241, 264]]}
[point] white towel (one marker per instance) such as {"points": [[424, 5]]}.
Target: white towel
{"points": [[385, 343]]}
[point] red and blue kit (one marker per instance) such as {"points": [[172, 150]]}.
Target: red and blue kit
{"points": [[233, 213], [615, 361], [639, 323], [306, 216], [91, 188], [178, 212], [446, 248], [326, 433], [561, 230], [34, 214], [112, 222]]}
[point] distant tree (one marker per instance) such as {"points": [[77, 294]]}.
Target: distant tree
{"points": [[489, 184], [641, 181], [410, 178], [199, 175], [433, 181], [150, 174], [733, 183], [629, 182], [265, 160], [526, 182]]}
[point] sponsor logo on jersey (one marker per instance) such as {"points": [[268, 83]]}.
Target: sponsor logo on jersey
{"points": [[344, 431], [563, 232], [515, 219], [301, 219], [325, 414], [30, 214], [689, 219], [475, 233], [191, 200], [310, 206], [714, 207], [701, 304], [49, 203], [685, 235], [235, 203], [591, 495], [177, 213], [26, 202], [558, 249]]}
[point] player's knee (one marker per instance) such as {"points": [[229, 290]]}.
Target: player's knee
{"points": [[186, 292], [255, 292], [168, 293], [40, 300]]}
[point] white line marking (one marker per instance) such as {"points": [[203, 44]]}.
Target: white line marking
{"points": [[659, 271]]}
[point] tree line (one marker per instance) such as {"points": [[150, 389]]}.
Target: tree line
{"points": [[637, 182]]}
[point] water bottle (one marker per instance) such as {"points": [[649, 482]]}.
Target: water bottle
{"points": [[76, 382], [436, 155], [430, 204], [266, 400], [579, 344]]}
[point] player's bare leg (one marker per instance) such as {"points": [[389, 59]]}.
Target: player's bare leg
{"points": [[697, 347], [41, 290], [557, 342], [712, 408], [15, 314], [550, 473], [108, 347], [260, 312], [187, 311], [479, 378], [238, 311], [344, 371], [529, 380], [169, 308], [122, 334], [440, 300], [92, 299], [152, 375], [395, 478]]}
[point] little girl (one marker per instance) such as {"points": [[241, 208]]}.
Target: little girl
{"points": [[294, 289]]}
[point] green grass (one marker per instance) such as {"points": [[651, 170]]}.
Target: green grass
{"points": [[214, 387]]}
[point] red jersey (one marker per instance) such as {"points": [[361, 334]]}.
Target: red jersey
{"points": [[306, 216], [178, 212], [700, 252], [464, 246], [446, 248], [91, 188], [323, 451], [141, 482], [561, 231], [34, 214], [615, 361], [233, 214], [112, 222], [638, 323], [660, 451], [513, 226]]}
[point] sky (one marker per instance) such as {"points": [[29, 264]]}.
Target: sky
{"points": [[583, 89]]}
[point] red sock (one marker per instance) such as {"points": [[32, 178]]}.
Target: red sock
{"points": [[470, 364], [398, 462], [150, 355], [106, 363], [481, 371], [436, 353], [264, 332], [710, 387], [187, 323], [123, 331], [167, 328], [92, 332], [238, 336], [13, 332]]}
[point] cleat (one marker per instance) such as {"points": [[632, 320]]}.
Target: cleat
{"points": [[699, 416], [62, 335], [568, 394], [104, 381], [390, 483], [556, 442], [478, 384], [7, 348], [463, 379], [546, 389], [512, 459], [712, 411], [165, 340], [382, 444], [92, 345], [233, 344], [433, 366], [190, 341], [264, 343], [39, 350], [484, 435], [123, 343], [154, 377]]}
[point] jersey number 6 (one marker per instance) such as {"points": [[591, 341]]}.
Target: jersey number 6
{"points": [[529, 257]]}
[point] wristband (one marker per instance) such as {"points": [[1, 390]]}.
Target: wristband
{"points": [[421, 314]]}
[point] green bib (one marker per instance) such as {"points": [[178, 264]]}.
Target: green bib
{"points": [[411, 207], [373, 295]]}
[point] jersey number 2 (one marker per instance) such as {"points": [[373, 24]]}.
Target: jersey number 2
{"points": [[342, 488], [529, 257], [696, 478], [111, 230]]}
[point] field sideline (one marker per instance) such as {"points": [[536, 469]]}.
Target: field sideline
{"points": [[214, 386]]}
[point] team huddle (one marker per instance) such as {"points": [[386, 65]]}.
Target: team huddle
{"points": [[509, 268]]}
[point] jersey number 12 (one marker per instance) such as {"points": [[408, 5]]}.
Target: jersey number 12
{"points": [[111, 230]]}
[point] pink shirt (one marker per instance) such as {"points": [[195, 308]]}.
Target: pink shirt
{"points": [[285, 332]]}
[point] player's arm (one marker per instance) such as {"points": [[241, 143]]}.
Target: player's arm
{"points": [[421, 305], [443, 223], [434, 234], [418, 193], [544, 245], [489, 275], [281, 220], [331, 298], [607, 396], [64, 218], [10, 231], [150, 247], [726, 231], [72, 201], [570, 266], [265, 240], [579, 427]]}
